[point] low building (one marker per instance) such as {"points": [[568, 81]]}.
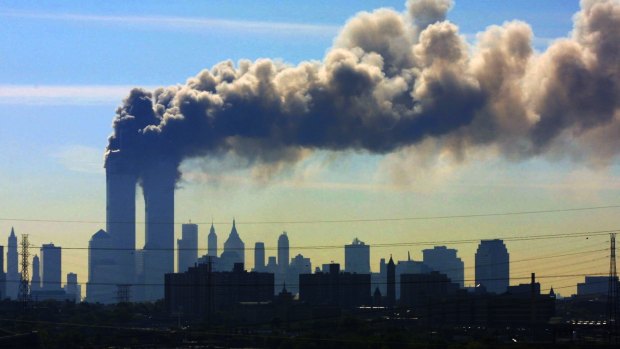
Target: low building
{"points": [[334, 288]]}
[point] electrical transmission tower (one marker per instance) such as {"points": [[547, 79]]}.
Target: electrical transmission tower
{"points": [[612, 293], [24, 290]]}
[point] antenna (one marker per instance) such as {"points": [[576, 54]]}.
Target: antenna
{"points": [[24, 291]]}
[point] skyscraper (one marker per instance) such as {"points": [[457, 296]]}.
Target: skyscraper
{"points": [[73, 289], [259, 256], [51, 270], [445, 261], [35, 283], [391, 283], [187, 251], [12, 267], [212, 242], [101, 286], [283, 252], [492, 266], [234, 250], [357, 257], [2, 275]]}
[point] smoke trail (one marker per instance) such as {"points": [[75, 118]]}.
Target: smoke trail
{"points": [[391, 81]]}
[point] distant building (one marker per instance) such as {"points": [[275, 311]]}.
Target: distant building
{"points": [[391, 283], [259, 256], [594, 286], [13, 276], [283, 252], [187, 247], [409, 267], [212, 242], [101, 285], [199, 291], [73, 289], [272, 265], [357, 257], [445, 261], [420, 291], [51, 260], [35, 283], [343, 290], [2, 275], [234, 250], [299, 265], [492, 266]]}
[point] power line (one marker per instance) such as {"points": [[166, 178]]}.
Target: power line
{"points": [[328, 221]]}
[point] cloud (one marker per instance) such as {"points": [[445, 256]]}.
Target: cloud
{"points": [[62, 95], [185, 23]]}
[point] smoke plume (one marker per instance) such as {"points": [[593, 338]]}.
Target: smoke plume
{"points": [[390, 81]]}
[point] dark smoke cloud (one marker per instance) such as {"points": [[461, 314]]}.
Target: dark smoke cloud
{"points": [[391, 81]]}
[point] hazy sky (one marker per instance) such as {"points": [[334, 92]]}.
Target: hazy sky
{"points": [[65, 67]]}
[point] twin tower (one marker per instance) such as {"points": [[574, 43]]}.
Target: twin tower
{"points": [[140, 272]]}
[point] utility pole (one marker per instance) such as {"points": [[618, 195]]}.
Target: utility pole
{"points": [[24, 289], [612, 293]]}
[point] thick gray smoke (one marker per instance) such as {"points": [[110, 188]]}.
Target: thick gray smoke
{"points": [[390, 81]]}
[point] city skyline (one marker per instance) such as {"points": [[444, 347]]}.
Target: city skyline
{"points": [[324, 186]]}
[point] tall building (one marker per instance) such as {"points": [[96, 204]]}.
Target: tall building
{"points": [[101, 286], [212, 242], [259, 256], [357, 257], [121, 179], [12, 267], [234, 250], [391, 283], [35, 283], [283, 252], [51, 259], [2, 275], [187, 247], [445, 261], [73, 290], [492, 266], [158, 183]]}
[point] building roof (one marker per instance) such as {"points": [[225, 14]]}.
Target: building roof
{"points": [[101, 234]]}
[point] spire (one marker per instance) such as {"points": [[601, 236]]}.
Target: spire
{"points": [[212, 230], [391, 260], [408, 256], [12, 233], [551, 292], [233, 231]]}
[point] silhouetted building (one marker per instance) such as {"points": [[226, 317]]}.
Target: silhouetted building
{"points": [[212, 242], [283, 253], [445, 261], [259, 256], [272, 265], [51, 260], [158, 183], [73, 289], [357, 257], [199, 291], [299, 265], [2, 275], [594, 286], [35, 283], [101, 285], [234, 250], [187, 247], [492, 266], [13, 276], [344, 290], [409, 267], [391, 283]]}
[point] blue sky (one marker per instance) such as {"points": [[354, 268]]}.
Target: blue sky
{"points": [[65, 66]]}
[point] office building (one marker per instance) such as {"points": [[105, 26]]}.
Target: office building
{"points": [[51, 265], [492, 266], [234, 250], [73, 290], [259, 256], [187, 247], [344, 290], [13, 276], [594, 286], [445, 261], [357, 257], [101, 285], [283, 253], [35, 283], [391, 283], [2, 275], [212, 242]]}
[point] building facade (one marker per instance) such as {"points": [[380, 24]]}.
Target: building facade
{"points": [[445, 261], [187, 247], [492, 266], [357, 257]]}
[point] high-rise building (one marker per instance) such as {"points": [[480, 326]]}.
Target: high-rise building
{"points": [[187, 251], [212, 242], [2, 275], [391, 283], [357, 257], [445, 261], [234, 250], [158, 184], [101, 286], [73, 290], [12, 267], [259, 256], [283, 252], [35, 283], [51, 267], [492, 266]]}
